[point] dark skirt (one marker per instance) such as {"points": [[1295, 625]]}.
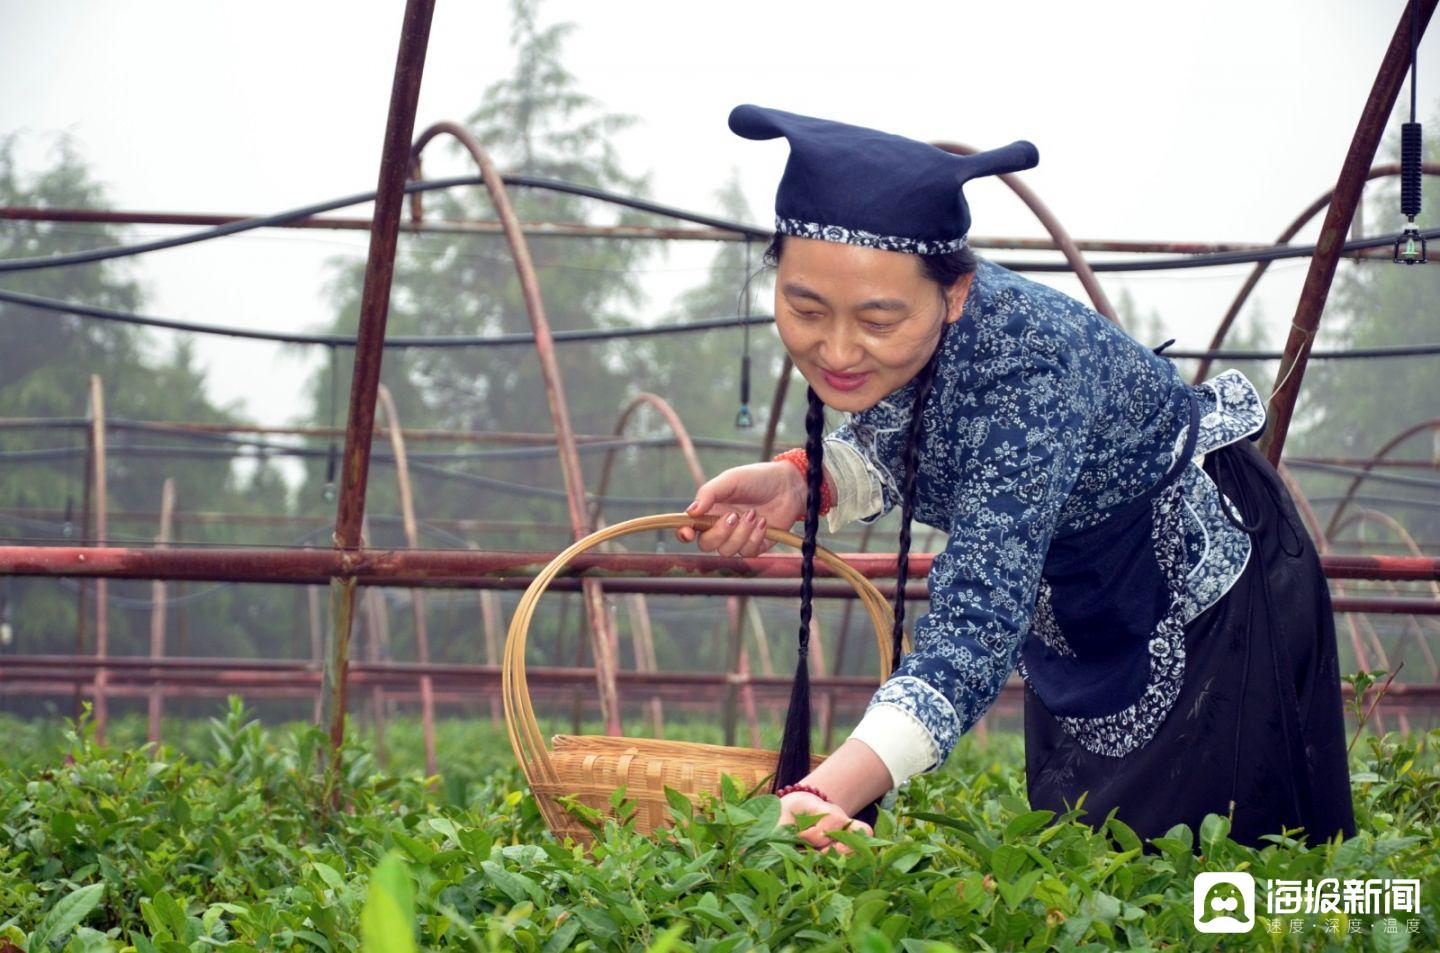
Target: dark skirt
{"points": [[1259, 720]]}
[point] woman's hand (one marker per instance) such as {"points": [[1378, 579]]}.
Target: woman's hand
{"points": [[748, 499], [803, 802]]}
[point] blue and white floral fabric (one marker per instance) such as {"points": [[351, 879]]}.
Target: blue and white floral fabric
{"points": [[1043, 417]]}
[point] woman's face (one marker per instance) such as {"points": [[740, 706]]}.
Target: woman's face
{"points": [[858, 322]]}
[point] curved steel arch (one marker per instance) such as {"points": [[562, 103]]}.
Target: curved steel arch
{"points": [[677, 427], [1370, 464], [1313, 209], [1047, 218], [735, 605], [602, 634]]}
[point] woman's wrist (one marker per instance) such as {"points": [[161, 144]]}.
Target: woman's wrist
{"points": [[852, 777], [797, 461]]}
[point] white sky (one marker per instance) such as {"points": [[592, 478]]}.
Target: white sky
{"points": [[1153, 120]]}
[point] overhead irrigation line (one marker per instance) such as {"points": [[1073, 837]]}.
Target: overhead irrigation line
{"points": [[360, 198], [645, 504], [266, 448], [1215, 259], [1395, 478], [391, 341], [1378, 501], [263, 451], [1210, 259], [588, 334]]}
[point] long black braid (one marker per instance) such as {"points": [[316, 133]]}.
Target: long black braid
{"points": [[794, 760], [923, 380]]}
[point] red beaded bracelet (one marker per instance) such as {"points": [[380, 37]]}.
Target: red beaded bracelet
{"points": [[787, 789], [802, 463]]}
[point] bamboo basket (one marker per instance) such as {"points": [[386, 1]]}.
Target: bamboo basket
{"points": [[592, 767]]}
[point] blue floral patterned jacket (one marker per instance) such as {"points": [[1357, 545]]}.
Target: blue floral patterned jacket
{"points": [[1043, 416]]}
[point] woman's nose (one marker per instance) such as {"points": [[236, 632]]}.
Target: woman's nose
{"points": [[842, 347]]}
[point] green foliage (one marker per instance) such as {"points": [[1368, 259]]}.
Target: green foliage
{"points": [[387, 922], [113, 849]]}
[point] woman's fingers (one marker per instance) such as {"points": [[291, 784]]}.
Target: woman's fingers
{"points": [[713, 491], [818, 835], [741, 532], [726, 535], [757, 543]]}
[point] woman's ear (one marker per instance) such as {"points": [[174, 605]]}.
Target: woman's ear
{"points": [[955, 297]]}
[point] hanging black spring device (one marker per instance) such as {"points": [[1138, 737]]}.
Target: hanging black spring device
{"points": [[1410, 246]]}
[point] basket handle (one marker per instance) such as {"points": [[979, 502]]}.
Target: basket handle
{"points": [[520, 721]]}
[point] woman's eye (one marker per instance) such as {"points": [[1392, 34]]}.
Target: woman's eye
{"points": [[876, 327]]}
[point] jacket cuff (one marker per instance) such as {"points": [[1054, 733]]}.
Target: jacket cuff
{"points": [[857, 492], [898, 739]]}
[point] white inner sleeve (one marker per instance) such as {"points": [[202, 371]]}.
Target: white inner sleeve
{"points": [[898, 739], [857, 492]]}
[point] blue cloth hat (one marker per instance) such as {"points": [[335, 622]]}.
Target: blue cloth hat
{"points": [[861, 186]]}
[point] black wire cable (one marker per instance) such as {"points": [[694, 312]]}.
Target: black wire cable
{"points": [[747, 231], [360, 198], [646, 504], [1394, 350], [577, 336], [538, 451], [1214, 259], [1335, 468], [398, 341], [1379, 501]]}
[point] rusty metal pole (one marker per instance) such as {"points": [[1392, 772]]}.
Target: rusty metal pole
{"points": [[82, 598], [417, 597], [369, 350], [490, 620], [102, 620], [1337, 223], [157, 612], [644, 641], [605, 646], [777, 405], [374, 611], [317, 641]]}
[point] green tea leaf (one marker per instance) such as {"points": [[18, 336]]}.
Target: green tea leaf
{"points": [[1027, 822], [329, 874], [65, 916], [387, 922]]}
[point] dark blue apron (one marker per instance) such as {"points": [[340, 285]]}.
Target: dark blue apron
{"points": [[1108, 592]]}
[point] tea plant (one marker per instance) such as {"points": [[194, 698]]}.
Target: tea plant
{"points": [[229, 847]]}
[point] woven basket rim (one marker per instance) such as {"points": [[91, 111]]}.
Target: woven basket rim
{"points": [[521, 723], [610, 743]]}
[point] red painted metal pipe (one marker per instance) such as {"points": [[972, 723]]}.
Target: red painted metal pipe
{"points": [[686, 693], [468, 568]]}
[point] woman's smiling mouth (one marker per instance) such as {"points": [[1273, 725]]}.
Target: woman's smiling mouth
{"points": [[844, 381]]}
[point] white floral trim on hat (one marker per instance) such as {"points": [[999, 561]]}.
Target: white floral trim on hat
{"points": [[858, 236]]}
